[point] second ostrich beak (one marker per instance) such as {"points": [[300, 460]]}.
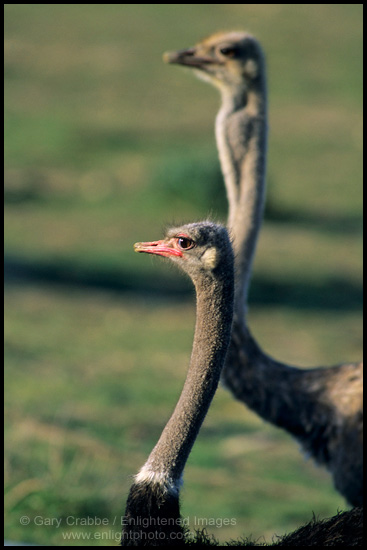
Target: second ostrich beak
{"points": [[186, 57]]}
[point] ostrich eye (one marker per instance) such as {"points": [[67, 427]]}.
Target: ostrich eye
{"points": [[228, 51], [185, 243]]}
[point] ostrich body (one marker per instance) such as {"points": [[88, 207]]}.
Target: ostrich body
{"points": [[321, 407], [204, 252]]}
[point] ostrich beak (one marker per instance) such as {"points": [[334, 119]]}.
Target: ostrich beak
{"points": [[187, 57], [161, 248]]}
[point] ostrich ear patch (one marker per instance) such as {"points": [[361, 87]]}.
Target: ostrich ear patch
{"points": [[251, 69], [210, 258]]}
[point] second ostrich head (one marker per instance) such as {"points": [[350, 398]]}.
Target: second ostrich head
{"points": [[229, 60]]}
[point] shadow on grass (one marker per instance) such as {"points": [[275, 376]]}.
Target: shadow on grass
{"points": [[178, 179], [336, 294], [331, 223], [217, 203]]}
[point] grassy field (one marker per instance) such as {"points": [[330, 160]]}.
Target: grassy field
{"points": [[104, 144]]}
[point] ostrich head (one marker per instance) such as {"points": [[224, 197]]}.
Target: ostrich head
{"points": [[227, 60], [198, 248]]}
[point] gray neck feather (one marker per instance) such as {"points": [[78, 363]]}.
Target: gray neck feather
{"points": [[241, 134], [214, 313]]}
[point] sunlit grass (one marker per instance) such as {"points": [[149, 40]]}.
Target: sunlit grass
{"points": [[91, 383]]}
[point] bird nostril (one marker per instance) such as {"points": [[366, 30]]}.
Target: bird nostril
{"points": [[189, 52]]}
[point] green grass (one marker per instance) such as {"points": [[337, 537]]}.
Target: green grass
{"points": [[104, 145]]}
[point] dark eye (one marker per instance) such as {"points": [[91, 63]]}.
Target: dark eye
{"points": [[185, 243], [228, 51]]}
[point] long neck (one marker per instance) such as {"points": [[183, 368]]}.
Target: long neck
{"points": [[311, 404], [241, 134], [212, 334]]}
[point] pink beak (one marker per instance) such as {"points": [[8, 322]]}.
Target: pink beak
{"points": [[162, 248]]}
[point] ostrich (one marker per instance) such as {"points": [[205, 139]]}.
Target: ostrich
{"points": [[152, 517], [204, 252], [321, 407]]}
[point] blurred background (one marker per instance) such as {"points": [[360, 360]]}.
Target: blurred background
{"points": [[105, 144]]}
